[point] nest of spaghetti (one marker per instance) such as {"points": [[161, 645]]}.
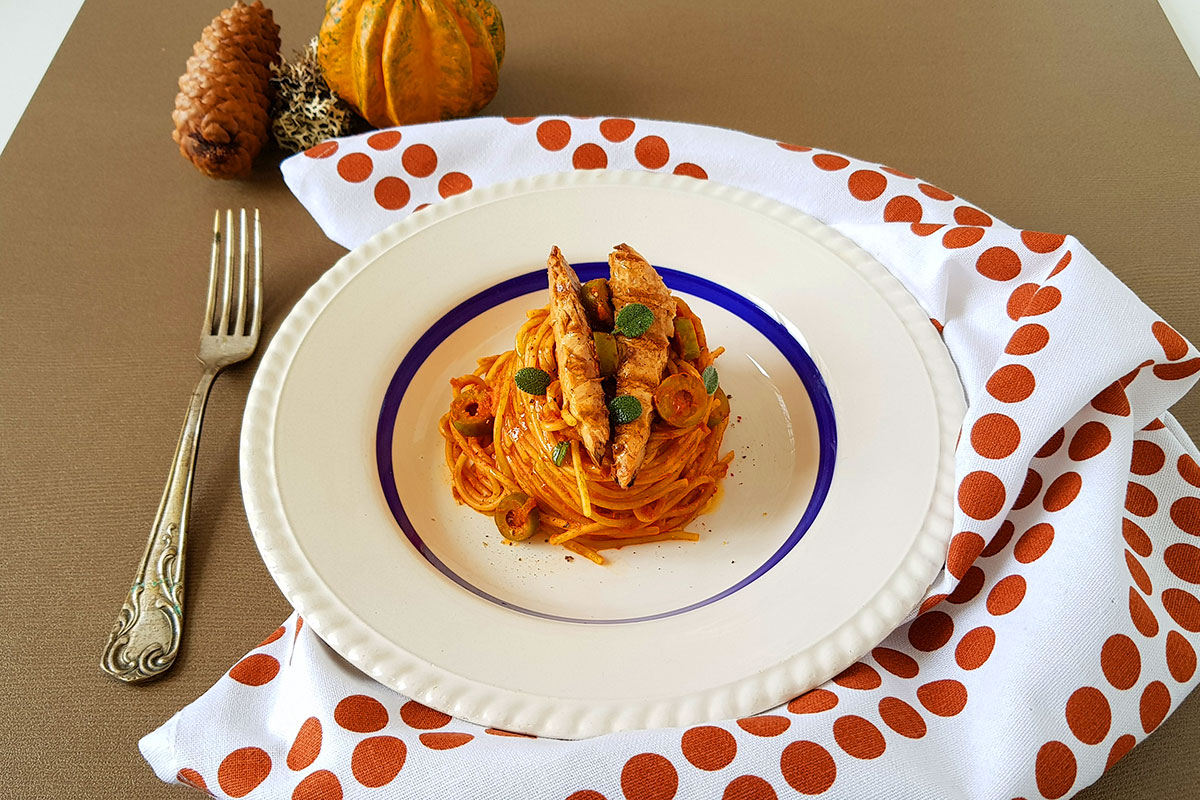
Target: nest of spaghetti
{"points": [[602, 427]]}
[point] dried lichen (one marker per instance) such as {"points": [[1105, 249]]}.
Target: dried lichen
{"points": [[307, 111]]}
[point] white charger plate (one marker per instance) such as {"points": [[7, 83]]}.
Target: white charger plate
{"points": [[834, 520]]}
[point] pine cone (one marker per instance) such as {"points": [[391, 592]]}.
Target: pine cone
{"points": [[222, 112]]}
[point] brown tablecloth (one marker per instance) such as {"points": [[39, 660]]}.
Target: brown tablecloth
{"points": [[1073, 117]]}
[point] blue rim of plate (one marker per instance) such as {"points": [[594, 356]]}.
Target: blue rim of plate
{"points": [[768, 323]]}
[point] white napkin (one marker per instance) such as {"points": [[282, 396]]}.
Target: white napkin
{"points": [[1062, 632]]}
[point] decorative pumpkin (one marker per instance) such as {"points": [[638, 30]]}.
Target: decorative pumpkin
{"points": [[406, 61]]}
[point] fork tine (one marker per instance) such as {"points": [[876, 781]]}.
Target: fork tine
{"points": [[239, 325], [256, 324], [212, 274], [227, 287]]}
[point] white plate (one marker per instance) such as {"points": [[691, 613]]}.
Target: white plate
{"points": [[834, 520]]}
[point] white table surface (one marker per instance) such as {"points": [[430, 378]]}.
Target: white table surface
{"points": [[35, 30]]}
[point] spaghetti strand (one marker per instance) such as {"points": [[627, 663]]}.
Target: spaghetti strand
{"points": [[582, 508]]}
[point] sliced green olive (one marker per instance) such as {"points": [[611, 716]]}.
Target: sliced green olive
{"points": [[681, 400], [471, 413], [517, 517], [597, 302], [685, 335], [720, 408], [606, 352]]}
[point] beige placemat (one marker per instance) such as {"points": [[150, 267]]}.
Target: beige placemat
{"points": [[103, 255]]}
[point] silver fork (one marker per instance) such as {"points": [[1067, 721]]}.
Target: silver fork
{"points": [[145, 638]]}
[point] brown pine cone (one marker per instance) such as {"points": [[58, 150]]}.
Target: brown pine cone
{"points": [[222, 112]]}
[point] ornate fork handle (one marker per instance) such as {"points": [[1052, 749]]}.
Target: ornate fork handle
{"points": [[145, 638]]}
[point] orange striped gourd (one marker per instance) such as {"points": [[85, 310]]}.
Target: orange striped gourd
{"points": [[405, 61]]}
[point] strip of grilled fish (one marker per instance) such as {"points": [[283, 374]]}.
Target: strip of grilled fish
{"points": [[575, 352], [639, 371]]}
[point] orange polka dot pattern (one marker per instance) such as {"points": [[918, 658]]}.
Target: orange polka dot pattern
{"points": [[1075, 520]]}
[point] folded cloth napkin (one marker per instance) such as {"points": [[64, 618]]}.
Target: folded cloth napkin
{"points": [[1062, 631]]}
